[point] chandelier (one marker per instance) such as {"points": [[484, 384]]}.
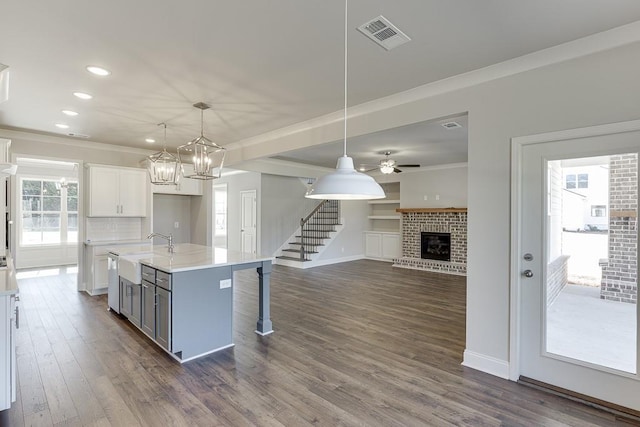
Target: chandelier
{"points": [[163, 166], [206, 156]]}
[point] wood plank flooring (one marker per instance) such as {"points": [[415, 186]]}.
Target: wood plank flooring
{"points": [[357, 343]]}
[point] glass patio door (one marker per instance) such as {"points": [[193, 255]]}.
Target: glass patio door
{"points": [[577, 265]]}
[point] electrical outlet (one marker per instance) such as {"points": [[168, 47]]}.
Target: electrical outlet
{"points": [[176, 224], [225, 283], [437, 197], [426, 197]]}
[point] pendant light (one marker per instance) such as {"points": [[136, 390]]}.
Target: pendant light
{"points": [[206, 156], [345, 183], [163, 166]]}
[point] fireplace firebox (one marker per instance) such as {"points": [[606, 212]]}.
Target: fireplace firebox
{"points": [[435, 246]]}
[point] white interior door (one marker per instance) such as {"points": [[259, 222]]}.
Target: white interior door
{"points": [[248, 225], [574, 329]]}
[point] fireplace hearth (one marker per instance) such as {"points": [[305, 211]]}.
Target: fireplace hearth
{"points": [[435, 246]]}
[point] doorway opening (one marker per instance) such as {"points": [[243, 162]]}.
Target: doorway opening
{"points": [[220, 216]]}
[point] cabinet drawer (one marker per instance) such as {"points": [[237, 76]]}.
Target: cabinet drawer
{"points": [[163, 280], [148, 274]]}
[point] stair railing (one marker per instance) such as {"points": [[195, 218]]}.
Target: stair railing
{"points": [[310, 234]]}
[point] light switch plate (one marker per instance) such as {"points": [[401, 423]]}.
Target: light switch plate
{"points": [[226, 283]]}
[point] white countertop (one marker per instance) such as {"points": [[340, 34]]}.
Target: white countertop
{"points": [[186, 256], [8, 282], [114, 242]]}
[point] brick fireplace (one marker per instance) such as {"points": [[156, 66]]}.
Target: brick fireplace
{"points": [[434, 221]]}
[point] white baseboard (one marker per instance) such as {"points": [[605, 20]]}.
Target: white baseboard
{"points": [[488, 364], [316, 263]]}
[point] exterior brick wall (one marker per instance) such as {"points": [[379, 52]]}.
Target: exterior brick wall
{"points": [[557, 277], [413, 223], [619, 273]]}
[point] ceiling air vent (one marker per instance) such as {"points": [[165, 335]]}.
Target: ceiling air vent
{"points": [[383, 33], [78, 135], [451, 125]]}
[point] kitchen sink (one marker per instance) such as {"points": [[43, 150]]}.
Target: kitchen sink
{"points": [[129, 266]]}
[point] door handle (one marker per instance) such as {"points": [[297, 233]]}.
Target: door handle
{"points": [[527, 273]]}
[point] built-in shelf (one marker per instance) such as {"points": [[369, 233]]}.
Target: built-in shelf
{"points": [[384, 202], [384, 217], [431, 210]]}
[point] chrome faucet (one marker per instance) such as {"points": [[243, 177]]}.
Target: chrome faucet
{"points": [[169, 238]]}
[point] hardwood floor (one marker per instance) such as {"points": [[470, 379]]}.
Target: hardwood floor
{"points": [[358, 343]]}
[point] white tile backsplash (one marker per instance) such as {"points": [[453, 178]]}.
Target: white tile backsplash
{"points": [[101, 229]]}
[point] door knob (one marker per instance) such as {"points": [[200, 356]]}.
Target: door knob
{"points": [[527, 273]]}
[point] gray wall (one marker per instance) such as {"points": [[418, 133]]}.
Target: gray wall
{"points": [[449, 185], [350, 241], [167, 210], [283, 204]]}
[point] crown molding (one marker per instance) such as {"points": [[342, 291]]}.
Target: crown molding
{"points": [[595, 43], [7, 133]]}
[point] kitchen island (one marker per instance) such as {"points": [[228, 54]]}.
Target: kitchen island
{"points": [[184, 300]]}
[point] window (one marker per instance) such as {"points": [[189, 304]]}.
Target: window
{"points": [[598, 210], [49, 212], [580, 180]]}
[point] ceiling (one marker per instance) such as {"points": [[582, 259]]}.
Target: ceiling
{"points": [[260, 65], [426, 144]]}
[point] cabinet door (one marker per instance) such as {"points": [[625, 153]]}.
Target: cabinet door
{"points": [[373, 245], [103, 191], [136, 304], [148, 315], [133, 193], [390, 246], [125, 298], [163, 318], [100, 272]]}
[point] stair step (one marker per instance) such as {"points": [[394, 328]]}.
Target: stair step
{"points": [[290, 258], [306, 244], [298, 251]]}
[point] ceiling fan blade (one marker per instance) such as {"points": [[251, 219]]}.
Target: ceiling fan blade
{"points": [[396, 170], [409, 166]]}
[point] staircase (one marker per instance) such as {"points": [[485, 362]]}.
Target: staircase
{"points": [[315, 232]]}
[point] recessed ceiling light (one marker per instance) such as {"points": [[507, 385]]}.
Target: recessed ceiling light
{"points": [[150, 140], [69, 113], [98, 71], [62, 126], [82, 95]]}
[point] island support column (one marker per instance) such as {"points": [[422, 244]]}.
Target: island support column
{"points": [[264, 326]]}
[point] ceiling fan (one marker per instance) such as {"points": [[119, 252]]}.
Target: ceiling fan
{"points": [[386, 165]]}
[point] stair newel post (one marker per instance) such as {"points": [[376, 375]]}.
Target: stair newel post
{"points": [[302, 239]]}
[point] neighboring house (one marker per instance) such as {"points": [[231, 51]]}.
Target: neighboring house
{"points": [[585, 198]]}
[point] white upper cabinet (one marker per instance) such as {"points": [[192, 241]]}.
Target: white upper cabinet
{"points": [[117, 192], [186, 186]]}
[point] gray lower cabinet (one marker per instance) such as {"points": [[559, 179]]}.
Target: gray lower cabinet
{"points": [[148, 320], [130, 301], [156, 306], [136, 304], [125, 297], [163, 317]]}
